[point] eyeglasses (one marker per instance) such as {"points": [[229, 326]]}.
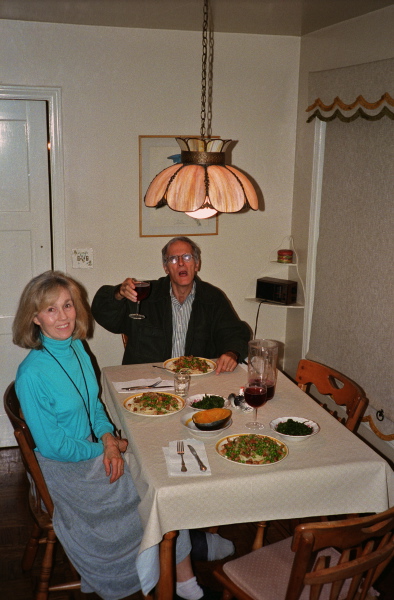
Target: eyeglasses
{"points": [[175, 258]]}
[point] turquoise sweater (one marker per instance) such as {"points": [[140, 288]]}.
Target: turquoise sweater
{"points": [[52, 407]]}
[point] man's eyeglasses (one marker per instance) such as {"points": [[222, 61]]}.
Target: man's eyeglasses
{"points": [[175, 258]]}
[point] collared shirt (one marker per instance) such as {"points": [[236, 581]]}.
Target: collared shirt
{"points": [[180, 320]]}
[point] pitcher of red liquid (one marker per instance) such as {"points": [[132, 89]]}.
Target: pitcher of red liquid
{"points": [[263, 358]]}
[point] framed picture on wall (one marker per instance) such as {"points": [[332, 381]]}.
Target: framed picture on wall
{"points": [[155, 154]]}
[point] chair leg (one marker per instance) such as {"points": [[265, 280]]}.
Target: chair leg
{"points": [[46, 567], [166, 584], [259, 539], [30, 552]]}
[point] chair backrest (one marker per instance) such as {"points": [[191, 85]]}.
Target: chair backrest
{"points": [[24, 438], [365, 546], [340, 388]]}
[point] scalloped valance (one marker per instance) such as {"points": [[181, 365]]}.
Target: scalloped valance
{"points": [[372, 111], [343, 93]]}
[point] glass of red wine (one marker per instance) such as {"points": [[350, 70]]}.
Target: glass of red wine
{"points": [[264, 354], [142, 288], [255, 394]]}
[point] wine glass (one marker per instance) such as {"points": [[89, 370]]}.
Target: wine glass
{"points": [[142, 289], [255, 394]]}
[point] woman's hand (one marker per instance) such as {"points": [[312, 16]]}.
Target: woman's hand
{"points": [[113, 460]]}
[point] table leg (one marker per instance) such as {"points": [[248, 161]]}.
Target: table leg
{"points": [[166, 585]]}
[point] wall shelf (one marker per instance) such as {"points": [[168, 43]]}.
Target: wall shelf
{"points": [[292, 264], [296, 305]]}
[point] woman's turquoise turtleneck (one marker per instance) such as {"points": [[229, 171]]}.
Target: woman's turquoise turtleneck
{"points": [[52, 406]]}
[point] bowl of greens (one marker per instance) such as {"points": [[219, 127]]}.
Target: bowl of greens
{"points": [[294, 429], [206, 401]]}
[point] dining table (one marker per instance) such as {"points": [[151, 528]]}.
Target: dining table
{"points": [[330, 473]]}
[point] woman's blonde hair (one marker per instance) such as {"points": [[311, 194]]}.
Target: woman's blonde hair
{"points": [[40, 293]]}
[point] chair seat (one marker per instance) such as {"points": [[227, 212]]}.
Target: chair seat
{"points": [[264, 574]]}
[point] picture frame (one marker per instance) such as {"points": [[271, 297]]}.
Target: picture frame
{"points": [[155, 154]]}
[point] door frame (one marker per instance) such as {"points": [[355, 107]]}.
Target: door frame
{"points": [[56, 159], [313, 235]]}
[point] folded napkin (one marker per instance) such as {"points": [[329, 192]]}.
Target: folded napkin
{"points": [[140, 383], [174, 462]]}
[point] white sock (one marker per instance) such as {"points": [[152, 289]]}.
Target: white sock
{"points": [[190, 590], [218, 546]]}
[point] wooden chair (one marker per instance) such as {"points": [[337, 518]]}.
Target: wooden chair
{"points": [[39, 498], [323, 561], [340, 388], [124, 339]]}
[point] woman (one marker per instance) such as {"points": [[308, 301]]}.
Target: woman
{"points": [[95, 500]]}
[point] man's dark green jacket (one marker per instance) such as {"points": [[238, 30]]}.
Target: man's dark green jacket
{"points": [[214, 327]]}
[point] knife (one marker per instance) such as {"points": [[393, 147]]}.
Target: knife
{"points": [[146, 387], [198, 459]]}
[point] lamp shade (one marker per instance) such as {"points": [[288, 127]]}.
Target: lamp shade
{"points": [[202, 178]]}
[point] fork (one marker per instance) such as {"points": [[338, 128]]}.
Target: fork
{"points": [[181, 450]]}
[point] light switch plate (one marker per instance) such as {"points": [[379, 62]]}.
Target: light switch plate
{"points": [[82, 258]]}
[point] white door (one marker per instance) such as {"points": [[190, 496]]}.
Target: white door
{"points": [[25, 223]]}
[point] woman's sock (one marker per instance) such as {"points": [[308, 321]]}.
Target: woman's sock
{"points": [[218, 546], [209, 546], [190, 590]]}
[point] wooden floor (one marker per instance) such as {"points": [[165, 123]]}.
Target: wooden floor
{"points": [[15, 524]]}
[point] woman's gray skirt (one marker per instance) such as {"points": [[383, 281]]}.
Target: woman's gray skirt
{"points": [[99, 527]]}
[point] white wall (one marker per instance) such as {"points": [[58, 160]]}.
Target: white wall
{"points": [[365, 39], [357, 41], [119, 83]]}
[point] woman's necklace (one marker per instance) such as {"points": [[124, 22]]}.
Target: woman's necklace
{"points": [[86, 405]]}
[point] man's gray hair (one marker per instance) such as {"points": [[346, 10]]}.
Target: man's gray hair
{"points": [[196, 251]]}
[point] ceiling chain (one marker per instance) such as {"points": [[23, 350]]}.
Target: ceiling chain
{"points": [[207, 60]]}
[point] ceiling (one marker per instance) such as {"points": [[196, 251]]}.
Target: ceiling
{"points": [[269, 17]]}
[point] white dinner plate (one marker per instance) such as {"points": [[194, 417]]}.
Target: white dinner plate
{"points": [[187, 421], [197, 397], [130, 405], [169, 365], [220, 449], [295, 438]]}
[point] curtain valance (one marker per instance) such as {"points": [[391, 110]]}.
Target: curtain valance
{"points": [[361, 91]]}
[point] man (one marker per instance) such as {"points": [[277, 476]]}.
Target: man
{"points": [[184, 316]]}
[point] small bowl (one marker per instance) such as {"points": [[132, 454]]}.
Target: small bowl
{"points": [[212, 419], [188, 423], [197, 397], [295, 438]]}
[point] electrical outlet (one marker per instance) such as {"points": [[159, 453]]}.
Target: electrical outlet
{"points": [[82, 258]]}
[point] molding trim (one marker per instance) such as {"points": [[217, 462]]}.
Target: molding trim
{"points": [[53, 97], [313, 235]]}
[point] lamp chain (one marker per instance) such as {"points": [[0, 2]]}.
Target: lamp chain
{"points": [[206, 107]]}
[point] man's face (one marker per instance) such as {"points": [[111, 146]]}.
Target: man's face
{"points": [[182, 272]]}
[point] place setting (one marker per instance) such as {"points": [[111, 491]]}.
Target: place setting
{"points": [[124, 387], [186, 458]]}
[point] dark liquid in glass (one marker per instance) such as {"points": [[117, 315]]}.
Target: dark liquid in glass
{"points": [[142, 288], [255, 396], [270, 389]]}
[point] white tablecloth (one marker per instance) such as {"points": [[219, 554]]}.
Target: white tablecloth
{"points": [[333, 472]]}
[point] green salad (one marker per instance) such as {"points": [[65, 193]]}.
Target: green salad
{"points": [[209, 401], [291, 427]]}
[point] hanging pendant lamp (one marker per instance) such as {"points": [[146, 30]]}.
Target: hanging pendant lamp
{"points": [[202, 185]]}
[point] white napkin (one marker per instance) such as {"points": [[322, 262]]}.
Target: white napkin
{"points": [[174, 462], [164, 383]]}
